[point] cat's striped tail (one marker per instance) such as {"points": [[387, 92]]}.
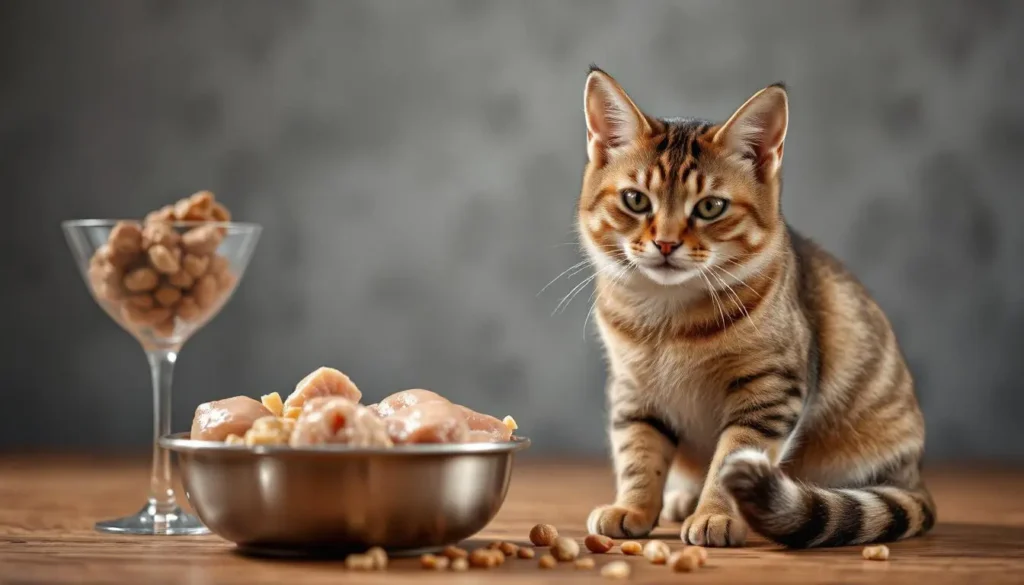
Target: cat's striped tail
{"points": [[797, 515]]}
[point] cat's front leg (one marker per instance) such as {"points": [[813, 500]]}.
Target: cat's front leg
{"points": [[761, 412], [642, 448]]}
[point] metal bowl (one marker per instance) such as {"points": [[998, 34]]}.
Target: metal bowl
{"points": [[336, 499]]}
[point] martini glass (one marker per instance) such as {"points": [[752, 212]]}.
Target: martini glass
{"points": [[161, 305]]}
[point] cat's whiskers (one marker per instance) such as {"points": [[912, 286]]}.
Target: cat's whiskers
{"points": [[737, 279], [737, 301], [714, 294], [596, 295]]}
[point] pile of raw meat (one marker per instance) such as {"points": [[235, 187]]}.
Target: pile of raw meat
{"points": [[324, 409]]}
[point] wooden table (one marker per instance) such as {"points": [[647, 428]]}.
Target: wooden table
{"points": [[48, 506]]}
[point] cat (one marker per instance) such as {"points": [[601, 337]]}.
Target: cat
{"points": [[745, 363]]}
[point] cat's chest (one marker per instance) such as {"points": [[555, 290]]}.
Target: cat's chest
{"points": [[681, 387]]}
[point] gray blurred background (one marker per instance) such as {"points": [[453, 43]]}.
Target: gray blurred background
{"points": [[415, 165]]}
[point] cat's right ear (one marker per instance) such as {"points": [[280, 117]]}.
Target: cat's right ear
{"points": [[613, 120]]}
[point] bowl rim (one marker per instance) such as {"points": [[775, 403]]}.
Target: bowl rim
{"points": [[180, 443], [102, 223]]}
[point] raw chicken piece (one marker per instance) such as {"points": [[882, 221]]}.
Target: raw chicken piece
{"points": [[430, 422], [323, 382], [484, 428], [405, 399], [214, 421], [335, 419]]}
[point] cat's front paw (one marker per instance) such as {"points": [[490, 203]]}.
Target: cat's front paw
{"points": [[713, 530], [620, 522]]}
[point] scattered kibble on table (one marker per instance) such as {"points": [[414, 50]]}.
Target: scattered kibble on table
{"points": [[543, 535], [585, 564], [631, 547], [547, 562], [657, 552], [876, 553], [565, 549], [598, 543], [525, 552], [616, 570]]}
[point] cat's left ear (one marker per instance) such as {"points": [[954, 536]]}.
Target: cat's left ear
{"points": [[757, 131], [614, 122]]}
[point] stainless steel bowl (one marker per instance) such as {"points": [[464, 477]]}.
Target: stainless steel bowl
{"points": [[335, 499]]}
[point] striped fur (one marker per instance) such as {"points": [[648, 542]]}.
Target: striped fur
{"points": [[749, 372]]}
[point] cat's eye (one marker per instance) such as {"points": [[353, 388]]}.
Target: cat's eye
{"points": [[636, 201], [710, 208]]}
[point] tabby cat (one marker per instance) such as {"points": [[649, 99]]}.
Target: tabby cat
{"points": [[746, 366]]}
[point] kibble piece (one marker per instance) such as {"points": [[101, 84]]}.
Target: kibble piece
{"points": [[616, 570], [379, 557], [214, 421], [684, 562], [876, 553], [206, 291], [543, 534], [273, 403], [126, 237], [357, 562], [454, 552], [117, 258], [194, 208], [598, 543], [141, 280], [657, 552], [700, 552], [202, 240], [547, 562], [483, 558], [585, 563], [226, 281], [565, 549], [167, 296], [428, 561], [494, 545], [142, 301], [525, 552], [195, 265], [159, 234], [234, 440], [219, 213], [631, 547], [164, 214], [164, 328], [165, 260], [460, 564], [292, 412], [218, 264], [508, 548], [499, 557], [188, 310], [181, 279]]}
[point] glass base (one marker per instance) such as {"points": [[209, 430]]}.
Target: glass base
{"points": [[149, 522]]}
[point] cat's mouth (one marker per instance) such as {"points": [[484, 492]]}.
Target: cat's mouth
{"points": [[668, 274]]}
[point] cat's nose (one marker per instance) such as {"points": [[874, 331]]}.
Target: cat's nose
{"points": [[667, 247]]}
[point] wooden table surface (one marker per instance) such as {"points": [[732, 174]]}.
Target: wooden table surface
{"points": [[48, 506]]}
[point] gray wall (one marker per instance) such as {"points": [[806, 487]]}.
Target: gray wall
{"points": [[415, 165]]}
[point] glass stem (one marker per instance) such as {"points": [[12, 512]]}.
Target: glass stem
{"points": [[161, 492]]}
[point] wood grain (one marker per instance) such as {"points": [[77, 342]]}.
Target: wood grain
{"points": [[48, 506]]}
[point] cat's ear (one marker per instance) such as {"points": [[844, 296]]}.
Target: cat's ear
{"points": [[613, 120], [757, 131]]}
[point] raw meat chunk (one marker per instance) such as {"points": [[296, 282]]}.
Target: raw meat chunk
{"points": [[430, 422], [214, 421], [323, 382], [404, 399], [484, 428], [336, 419]]}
